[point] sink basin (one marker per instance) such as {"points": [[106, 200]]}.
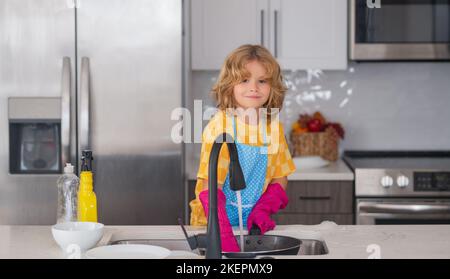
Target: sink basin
{"points": [[171, 244], [308, 246], [313, 247]]}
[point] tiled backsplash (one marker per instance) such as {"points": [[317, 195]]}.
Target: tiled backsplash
{"points": [[380, 105]]}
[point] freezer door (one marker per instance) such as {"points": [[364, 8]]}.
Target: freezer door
{"points": [[35, 36], [129, 83]]}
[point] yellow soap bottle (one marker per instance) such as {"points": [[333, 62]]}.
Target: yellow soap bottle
{"points": [[87, 201]]}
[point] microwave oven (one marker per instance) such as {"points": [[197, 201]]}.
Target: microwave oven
{"points": [[399, 30]]}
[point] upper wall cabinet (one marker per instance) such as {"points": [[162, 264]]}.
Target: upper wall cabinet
{"points": [[301, 34], [309, 34], [219, 26]]}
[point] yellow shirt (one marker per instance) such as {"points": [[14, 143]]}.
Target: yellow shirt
{"points": [[279, 160]]}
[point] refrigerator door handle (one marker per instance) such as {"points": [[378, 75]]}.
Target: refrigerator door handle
{"points": [[66, 85], [84, 103]]}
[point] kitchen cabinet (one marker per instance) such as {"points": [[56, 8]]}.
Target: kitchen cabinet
{"points": [[307, 34], [220, 26], [311, 202]]}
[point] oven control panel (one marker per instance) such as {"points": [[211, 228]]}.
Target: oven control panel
{"points": [[432, 181]]}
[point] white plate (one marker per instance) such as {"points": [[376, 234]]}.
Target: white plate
{"points": [[128, 251], [310, 162]]}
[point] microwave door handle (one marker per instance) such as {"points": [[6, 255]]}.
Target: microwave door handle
{"points": [[84, 104], [66, 85], [404, 208]]}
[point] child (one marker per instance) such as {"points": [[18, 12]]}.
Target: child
{"points": [[250, 80]]}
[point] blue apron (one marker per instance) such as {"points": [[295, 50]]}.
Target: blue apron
{"points": [[253, 161]]}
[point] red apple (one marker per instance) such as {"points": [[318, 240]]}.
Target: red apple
{"points": [[315, 125]]}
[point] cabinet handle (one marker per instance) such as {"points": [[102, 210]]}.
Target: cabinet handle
{"points": [[276, 33], [262, 27], [315, 198]]}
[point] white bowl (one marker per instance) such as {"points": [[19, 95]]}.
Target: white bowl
{"points": [[84, 235], [310, 162]]}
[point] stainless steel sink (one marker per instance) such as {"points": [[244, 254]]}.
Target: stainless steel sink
{"points": [[313, 247], [171, 244], [308, 246]]}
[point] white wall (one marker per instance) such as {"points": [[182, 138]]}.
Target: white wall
{"points": [[404, 106]]}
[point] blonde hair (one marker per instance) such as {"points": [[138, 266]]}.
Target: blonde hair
{"points": [[233, 72]]}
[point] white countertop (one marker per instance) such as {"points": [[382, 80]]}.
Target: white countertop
{"points": [[334, 171], [396, 241]]}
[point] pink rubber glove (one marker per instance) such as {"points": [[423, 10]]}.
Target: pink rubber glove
{"points": [[272, 200], [227, 238]]}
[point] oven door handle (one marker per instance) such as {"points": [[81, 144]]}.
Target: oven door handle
{"points": [[365, 207]]}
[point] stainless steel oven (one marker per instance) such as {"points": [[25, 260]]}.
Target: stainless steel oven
{"points": [[401, 187], [402, 211], [400, 30]]}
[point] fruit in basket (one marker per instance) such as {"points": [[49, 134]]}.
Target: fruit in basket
{"points": [[318, 115], [303, 120], [297, 129], [315, 125], [337, 127], [313, 135]]}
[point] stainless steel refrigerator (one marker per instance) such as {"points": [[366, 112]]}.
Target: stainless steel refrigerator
{"points": [[102, 75]]}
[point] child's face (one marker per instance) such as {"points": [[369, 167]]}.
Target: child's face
{"points": [[254, 91]]}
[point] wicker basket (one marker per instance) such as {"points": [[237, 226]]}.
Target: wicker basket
{"points": [[324, 144]]}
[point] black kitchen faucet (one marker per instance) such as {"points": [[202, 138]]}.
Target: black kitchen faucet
{"points": [[237, 182]]}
